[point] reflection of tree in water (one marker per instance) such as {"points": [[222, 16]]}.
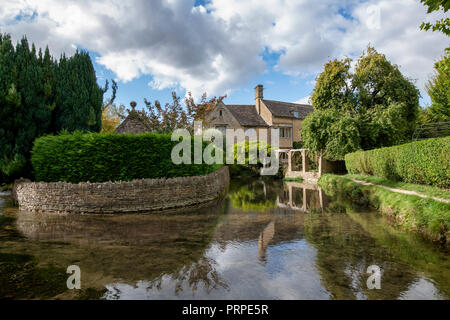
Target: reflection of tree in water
{"points": [[345, 250], [255, 196], [201, 273], [410, 248]]}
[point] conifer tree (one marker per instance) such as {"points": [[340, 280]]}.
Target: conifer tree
{"points": [[40, 95]]}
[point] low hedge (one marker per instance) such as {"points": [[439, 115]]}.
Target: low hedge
{"points": [[422, 162], [99, 157]]}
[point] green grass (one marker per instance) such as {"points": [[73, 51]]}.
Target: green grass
{"points": [[426, 190], [429, 217]]}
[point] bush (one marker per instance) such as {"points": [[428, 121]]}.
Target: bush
{"points": [[98, 157], [422, 162], [252, 163]]}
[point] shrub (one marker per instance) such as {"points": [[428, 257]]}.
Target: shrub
{"points": [[422, 162], [252, 163], [98, 157]]}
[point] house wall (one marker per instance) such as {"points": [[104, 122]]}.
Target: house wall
{"points": [[214, 119], [297, 127], [284, 142], [258, 134], [265, 113]]}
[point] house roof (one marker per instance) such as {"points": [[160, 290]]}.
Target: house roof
{"points": [[246, 115], [132, 124], [286, 109]]}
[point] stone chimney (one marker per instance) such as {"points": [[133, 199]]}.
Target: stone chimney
{"points": [[258, 97]]}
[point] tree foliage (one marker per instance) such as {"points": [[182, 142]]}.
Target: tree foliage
{"points": [[198, 111], [111, 117], [111, 113], [439, 90], [372, 107], [171, 116], [442, 25], [40, 95]]}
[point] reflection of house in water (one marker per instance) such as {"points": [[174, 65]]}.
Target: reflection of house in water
{"points": [[301, 196], [264, 238]]}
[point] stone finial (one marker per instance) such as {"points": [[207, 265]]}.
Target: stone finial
{"points": [[133, 104]]}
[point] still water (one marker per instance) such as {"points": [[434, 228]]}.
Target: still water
{"points": [[267, 240]]}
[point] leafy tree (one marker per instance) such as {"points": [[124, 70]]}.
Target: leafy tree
{"points": [[334, 133], [198, 111], [167, 118], [111, 117], [442, 25], [439, 90], [174, 115], [332, 89], [373, 107], [111, 114]]}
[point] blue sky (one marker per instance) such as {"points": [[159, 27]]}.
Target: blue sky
{"points": [[226, 46]]}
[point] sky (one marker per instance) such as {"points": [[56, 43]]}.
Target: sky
{"points": [[226, 46]]}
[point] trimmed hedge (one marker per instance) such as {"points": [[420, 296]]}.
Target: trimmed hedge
{"points": [[98, 157], [422, 162]]}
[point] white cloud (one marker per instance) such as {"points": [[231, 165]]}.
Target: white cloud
{"points": [[304, 100], [218, 48]]}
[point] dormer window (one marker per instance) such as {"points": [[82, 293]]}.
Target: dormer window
{"points": [[296, 114]]}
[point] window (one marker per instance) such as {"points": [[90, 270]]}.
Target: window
{"points": [[221, 113], [296, 114], [285, 132]]}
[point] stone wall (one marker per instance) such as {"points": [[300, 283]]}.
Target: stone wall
{"points": [[144, 195]]}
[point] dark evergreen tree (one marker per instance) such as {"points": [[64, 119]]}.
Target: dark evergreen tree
{"points": [[78, 98], [10, 104], [39, 95]]}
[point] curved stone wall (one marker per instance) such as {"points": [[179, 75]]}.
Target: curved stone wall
{"points": [[144, 195]]}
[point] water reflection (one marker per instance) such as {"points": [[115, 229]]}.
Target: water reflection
{"points": [[268, 240], [267, 195]]}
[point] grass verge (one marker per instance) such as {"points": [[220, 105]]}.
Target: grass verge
{"points": [[426, 190], [424, 215]]}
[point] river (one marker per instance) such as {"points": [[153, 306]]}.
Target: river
{"points": [[267, 239]]}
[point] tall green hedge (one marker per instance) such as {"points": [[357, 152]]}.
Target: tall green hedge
{"points": [[422, 162], [98, 157]]}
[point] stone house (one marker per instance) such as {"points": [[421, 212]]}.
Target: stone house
{"points": [[264, 114]]}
